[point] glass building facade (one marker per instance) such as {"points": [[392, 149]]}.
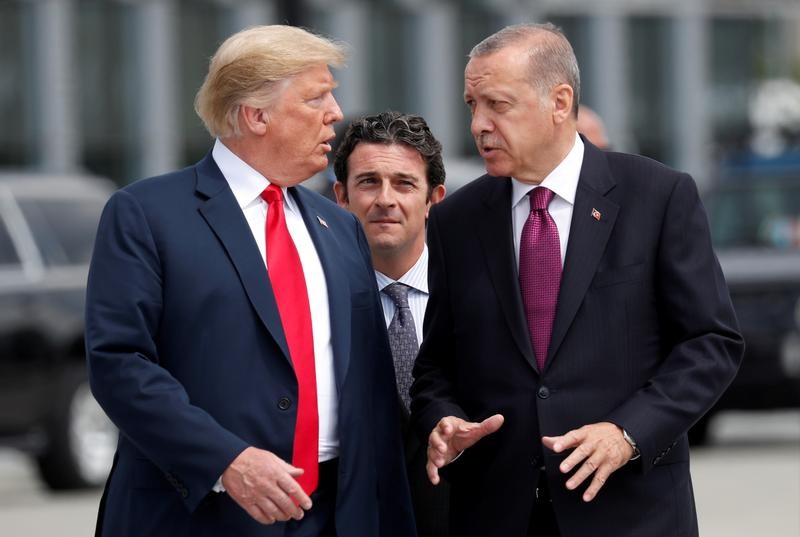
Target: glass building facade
{"points": [[108, 85]]}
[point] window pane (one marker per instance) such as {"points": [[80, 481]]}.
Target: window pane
{"points": [[8, 253], [64, 229]]}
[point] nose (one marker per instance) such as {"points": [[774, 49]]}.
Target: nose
{"points": [[480, 122], [334, 112], [385, 197]]}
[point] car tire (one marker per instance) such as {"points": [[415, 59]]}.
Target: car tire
{"points": [[81, 440]]}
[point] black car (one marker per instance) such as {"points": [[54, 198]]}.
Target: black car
{"points": [[47, 227], [755, 224]]}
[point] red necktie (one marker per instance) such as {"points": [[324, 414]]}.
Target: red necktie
{"points": [[289, 288], [540, 271]]}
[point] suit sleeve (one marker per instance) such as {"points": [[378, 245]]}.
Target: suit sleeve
{"points": [[149, 406], [433, 394], [700, 331]]}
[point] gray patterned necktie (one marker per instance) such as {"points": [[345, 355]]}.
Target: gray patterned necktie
{"points": [[402, 339]]}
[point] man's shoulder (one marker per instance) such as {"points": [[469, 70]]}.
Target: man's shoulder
{"points": [[160, 186], [474, 194]]}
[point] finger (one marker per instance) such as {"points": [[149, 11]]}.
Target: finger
{"points": [[297, 496], [566, 441], [580, 453], [257, 514], [586, 469], [433, 472], [271, 508], [491, 424], [600, 478]]}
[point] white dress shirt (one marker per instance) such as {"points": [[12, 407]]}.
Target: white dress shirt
{"points": [[247, 185], [417, 279], [563, 181]]}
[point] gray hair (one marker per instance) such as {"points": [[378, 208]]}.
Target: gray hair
{"points": [[392, 128], [552, 60]]}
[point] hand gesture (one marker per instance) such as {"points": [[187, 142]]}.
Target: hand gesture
{"points": [[602, 448], [263, 484], [453, 435]]}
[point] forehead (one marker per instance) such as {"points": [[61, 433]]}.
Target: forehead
{"points": [[315, 77], [389, 159], [509, 65]]}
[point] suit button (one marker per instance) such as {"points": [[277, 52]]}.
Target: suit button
{"points": [[543, 392], [284, 403]]}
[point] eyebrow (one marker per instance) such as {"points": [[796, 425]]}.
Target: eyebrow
{"points": [[399, 175]]}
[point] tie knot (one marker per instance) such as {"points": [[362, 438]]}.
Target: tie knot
{"points": [[540, 198], [398, 292], [272, 193]]}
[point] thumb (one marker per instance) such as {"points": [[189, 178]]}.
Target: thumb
{"points": [[490, 425]]}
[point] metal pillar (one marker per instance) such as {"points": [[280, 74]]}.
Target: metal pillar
{"points": [[606, 86], [688, 93], [435, 89], [152, 76], [348, 21], [242, 14], [54, 107]]}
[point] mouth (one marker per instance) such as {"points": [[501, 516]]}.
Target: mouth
{"points": [[327, 144]]}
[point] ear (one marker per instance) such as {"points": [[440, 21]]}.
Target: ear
{"points": [[341, 194], [563, 96], [437, 195], [253, 120]]}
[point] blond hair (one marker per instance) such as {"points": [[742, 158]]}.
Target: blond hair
{"points": [[251, 68]]}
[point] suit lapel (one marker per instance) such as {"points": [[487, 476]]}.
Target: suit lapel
{"points": [[497, 240], [593, 219], [223, 215], [338, 291]]}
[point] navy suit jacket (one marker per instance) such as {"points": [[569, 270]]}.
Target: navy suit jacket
{"points": [[187, 356], [644, 336]]}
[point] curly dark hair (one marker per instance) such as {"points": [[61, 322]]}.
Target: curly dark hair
{"points": [[392, 128]]}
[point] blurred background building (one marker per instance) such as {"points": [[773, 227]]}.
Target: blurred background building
{"points": [[107, 86]]}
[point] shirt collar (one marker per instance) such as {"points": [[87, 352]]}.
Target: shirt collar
{"points": [[563, 180], [246, 183], [416, 277]]}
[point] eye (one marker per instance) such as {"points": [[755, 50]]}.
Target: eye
{"points": [[366, 181]]}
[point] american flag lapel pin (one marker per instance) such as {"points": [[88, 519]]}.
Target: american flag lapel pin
{"points": [[322, 221], [596, 214]]}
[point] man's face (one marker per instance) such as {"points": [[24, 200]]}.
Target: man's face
{"points": [[387, 190], [300, 127], [511, 123]]}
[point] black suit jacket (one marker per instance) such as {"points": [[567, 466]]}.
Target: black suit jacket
{"points": [[188, 357], [644, 337]]}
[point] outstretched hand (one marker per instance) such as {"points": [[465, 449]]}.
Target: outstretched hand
{"points": [[453, 435]]}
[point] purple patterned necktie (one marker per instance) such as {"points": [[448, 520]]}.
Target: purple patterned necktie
{"points": [[402, 339], [540, 271]]}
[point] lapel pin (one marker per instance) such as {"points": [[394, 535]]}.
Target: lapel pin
{"points": [[321, 221], [596, 214]]}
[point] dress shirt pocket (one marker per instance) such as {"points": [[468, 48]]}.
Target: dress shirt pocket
{"points": [[617, 275]]}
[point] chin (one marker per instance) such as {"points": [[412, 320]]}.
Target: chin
{"points": [[497, 170]]}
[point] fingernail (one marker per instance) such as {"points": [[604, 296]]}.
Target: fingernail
{"points": [[565, 468]]}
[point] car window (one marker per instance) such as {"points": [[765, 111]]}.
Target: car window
{"points": [[9, 258], [63, 229], [756, 214]]}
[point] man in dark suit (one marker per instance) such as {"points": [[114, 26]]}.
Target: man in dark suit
{"points": [[389, 173], [234, 332], [558, 400]]}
